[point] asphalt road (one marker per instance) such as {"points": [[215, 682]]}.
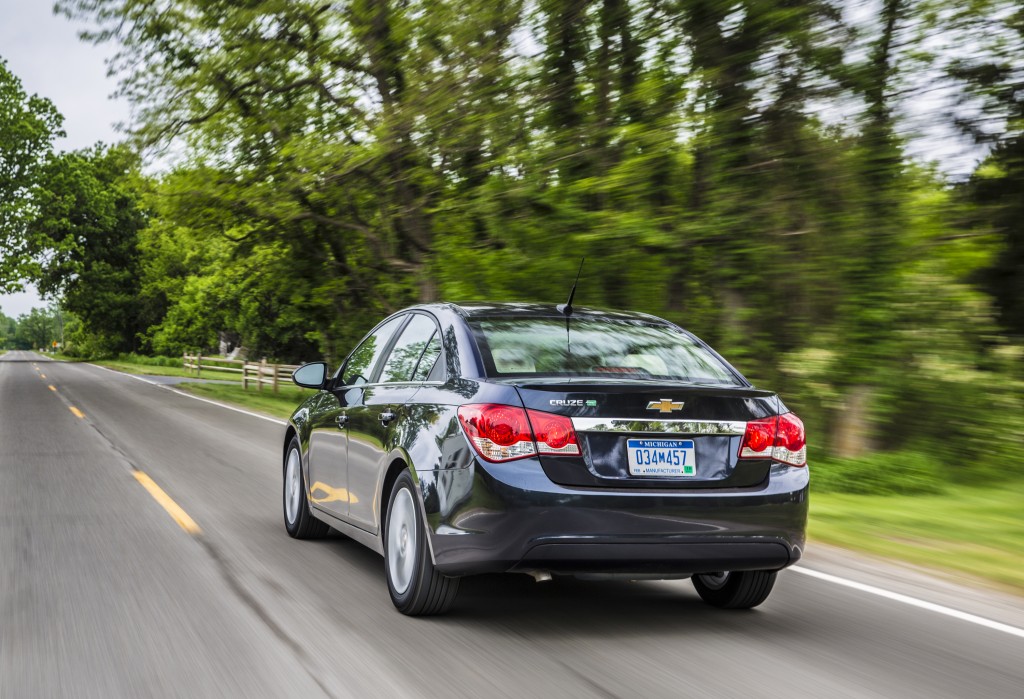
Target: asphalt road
{"points": [[104, 594]]}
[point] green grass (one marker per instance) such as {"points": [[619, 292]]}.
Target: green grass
{"points": [[156, 370], [977, 531], [281, 405]]}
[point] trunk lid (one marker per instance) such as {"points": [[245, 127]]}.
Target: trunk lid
{"points": [[641, 434]]}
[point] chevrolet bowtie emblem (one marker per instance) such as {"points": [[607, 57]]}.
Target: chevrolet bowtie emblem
{"points": [[665, 405]]}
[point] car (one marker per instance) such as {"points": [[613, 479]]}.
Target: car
{"points": [[462, 439]]}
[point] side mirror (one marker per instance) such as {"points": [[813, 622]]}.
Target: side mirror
{"points": [[312, 375]]}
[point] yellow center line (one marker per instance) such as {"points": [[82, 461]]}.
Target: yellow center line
{"points": [[42, 376], [173, 509], [52, 387], [75, 411]]}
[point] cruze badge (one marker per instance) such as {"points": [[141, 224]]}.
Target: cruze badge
{"points": [[665, 405]]}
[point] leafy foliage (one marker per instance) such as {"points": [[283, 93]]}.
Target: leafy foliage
{"points": [[338, 161], [85, 233], [28, 125]]}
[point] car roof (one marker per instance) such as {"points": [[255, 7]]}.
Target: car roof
{"points": [[492, 309]]}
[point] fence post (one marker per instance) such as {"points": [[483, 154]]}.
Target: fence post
{"points": [[184, 361], [263, 371], [275, 366], [199, 364], [245, 375]]}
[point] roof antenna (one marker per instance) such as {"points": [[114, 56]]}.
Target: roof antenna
{"points": [[566, 308]]}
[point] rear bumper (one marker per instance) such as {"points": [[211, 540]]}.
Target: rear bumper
{"points": [[511, 517], [654, 558]]}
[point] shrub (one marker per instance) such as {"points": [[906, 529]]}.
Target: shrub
{"points": [[149, 361], [881, 473]]}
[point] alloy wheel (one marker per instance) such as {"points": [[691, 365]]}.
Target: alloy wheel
{"points": [[292, 486], [402, 541]]}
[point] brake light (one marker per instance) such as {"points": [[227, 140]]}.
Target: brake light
{"points": [[554, 433], [781, 438], [498, 432], [505, 432]]}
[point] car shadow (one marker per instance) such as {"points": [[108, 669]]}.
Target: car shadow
{"points": [[598, 606], [520, 604]]}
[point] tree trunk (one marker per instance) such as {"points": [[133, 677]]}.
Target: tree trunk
{"points": [[853, 433]]}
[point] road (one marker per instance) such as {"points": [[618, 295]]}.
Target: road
{"points": [[104, 594]]}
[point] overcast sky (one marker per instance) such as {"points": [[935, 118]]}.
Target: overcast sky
{"points": [[44, 51]]}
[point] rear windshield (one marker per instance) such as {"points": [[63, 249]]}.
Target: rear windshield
{"points": [[595, 348]]}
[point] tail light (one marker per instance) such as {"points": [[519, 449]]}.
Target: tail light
{"points": [[554, 433], [505, 432], [780, 438], [498, 432]]}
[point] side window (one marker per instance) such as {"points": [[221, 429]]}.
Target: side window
{"points": [[405, 357], [429, 358], [360, 364]]}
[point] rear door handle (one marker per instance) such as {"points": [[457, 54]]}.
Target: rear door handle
{"points": [[342, 421], [386, 417]]}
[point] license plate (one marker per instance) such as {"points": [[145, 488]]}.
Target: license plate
{"points": [[661, 457]]}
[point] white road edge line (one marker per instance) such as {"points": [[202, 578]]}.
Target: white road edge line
{"points": [[912, 601], [189, 395]]}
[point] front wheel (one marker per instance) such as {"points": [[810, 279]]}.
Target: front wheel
{"points": [[416, 588], [298, 520], [735, 590]]}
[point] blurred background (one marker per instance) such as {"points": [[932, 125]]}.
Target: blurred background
{"points": [[830, 193]]}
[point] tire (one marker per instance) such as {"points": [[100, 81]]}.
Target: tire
{"points": [[415, 586], [735, 590], [298, 520]]}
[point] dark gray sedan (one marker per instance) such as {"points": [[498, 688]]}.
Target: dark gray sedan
{"points": [[477, 438]]}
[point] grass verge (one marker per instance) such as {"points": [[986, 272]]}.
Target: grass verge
{"points": [[149, 370], [281, 405], [976, 531]]}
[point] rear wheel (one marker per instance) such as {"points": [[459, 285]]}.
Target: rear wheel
{"points": [[416, 588], [735, 590], [298, 520]]}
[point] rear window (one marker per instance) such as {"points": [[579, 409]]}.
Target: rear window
{"points": [[595, 348]]}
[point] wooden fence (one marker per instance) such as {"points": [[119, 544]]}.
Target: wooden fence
{"points": [[260, 373]]}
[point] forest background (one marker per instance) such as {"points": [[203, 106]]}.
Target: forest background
{"points": [[296, 170]]}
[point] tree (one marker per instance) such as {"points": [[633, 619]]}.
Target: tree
{"points": [[736, 166], [993, 83], [8, 328], [85, 229], [36, 330], [304, 126], [28, 125]]}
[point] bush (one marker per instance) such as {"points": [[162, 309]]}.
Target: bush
{"points": [[149, 361], [881, 473]]}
